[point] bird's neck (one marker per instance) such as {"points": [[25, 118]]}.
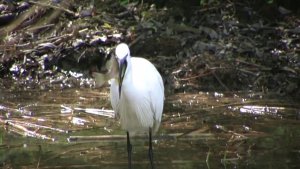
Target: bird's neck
{"points": [[128, 74]]}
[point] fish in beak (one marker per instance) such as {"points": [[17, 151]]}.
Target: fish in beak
{"points": [[110, 71]]}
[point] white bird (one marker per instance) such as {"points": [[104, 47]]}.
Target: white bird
{"points": [[137, 95]]}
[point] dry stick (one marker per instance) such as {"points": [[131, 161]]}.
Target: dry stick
{"points": [[35, 125], [52, 6], [207, 158], [19, 21], [40, 27], [50, 19], [55, 38], [27, 132], [99, 112], [198, 130], [248, 72], [22, 112], [253, 64], [40, 156], [264, 68], [136, 40], [218, 79], [194, 77]]}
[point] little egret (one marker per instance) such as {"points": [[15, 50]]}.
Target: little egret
{"points": [[137, 95]]}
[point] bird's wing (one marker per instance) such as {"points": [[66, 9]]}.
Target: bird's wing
{"points": [[146, 73], [157, 102]]}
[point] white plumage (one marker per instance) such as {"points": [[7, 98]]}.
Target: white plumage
{"points": [[141, 101], [137, 95]]}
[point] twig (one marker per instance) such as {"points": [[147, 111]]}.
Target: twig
{"points": [[136, 40], [41, 27], [252, 64], [218, 79], [26, 132], [99, 112], [21, 111], [194, 77], [52, 6], [35, 125], [248, 72], [207, 159]]}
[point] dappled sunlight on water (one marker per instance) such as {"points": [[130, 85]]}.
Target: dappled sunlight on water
{"points": [[76, 128]]}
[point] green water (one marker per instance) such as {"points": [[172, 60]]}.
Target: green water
{"points": [[75, 128]]}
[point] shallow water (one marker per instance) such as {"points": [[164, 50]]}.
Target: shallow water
{"points": [[75, 128]]}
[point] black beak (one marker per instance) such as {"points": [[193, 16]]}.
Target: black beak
{"points": [[122, 70]]}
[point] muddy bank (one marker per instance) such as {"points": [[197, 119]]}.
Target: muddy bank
{"points": [[216, 46]]}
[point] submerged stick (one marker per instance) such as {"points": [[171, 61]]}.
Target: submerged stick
{"points": [[28, 133], [120, 137], [35, 125]]}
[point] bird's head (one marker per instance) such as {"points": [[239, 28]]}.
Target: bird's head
{"points": [[122, 56]]}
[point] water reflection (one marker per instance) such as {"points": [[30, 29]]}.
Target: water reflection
{"points": [[75, 128]]}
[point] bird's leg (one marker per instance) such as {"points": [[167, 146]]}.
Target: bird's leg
{"points": [[129, 150], [150, 152]]}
